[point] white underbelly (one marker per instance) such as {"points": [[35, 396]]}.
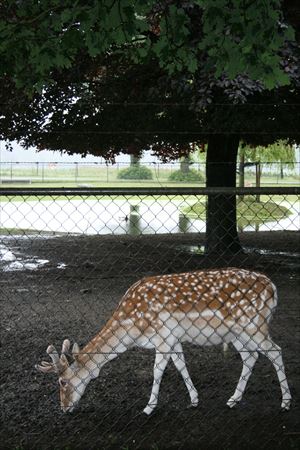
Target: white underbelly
{"points": [[196, 329], [205, 336]]}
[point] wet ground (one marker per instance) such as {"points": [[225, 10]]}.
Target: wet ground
{"points": [[68, 286]]}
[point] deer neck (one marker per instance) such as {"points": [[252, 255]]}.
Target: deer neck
{"points": [[104, 347]]}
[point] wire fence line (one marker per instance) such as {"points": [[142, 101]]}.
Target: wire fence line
{"points": [[94, 275], [103, 172]]}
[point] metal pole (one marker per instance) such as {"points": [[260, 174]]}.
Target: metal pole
{"points": [[112, 191], [76, 172], [257, 170]]}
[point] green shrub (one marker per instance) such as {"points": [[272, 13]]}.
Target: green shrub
{"points": [[136, 172], [190, 176]]}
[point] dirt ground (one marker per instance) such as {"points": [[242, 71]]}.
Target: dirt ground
{"points": [[72, 293]]}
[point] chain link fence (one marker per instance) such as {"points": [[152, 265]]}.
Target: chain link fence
{"points": [[119, 330], [83, 174]]}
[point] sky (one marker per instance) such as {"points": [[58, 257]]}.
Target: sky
{"points": [[19, 154]]}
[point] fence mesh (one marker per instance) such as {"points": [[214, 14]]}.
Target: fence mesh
{"points": [[93, 276], [89, 174]]}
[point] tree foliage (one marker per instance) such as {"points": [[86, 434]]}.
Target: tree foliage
{"points": [[112, 80], [38, 40], [279, 152], [132, 108], [116, 75]]}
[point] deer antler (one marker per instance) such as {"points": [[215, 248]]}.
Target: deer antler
{"points": [[75, 351], [59, 364], [66, 346]]}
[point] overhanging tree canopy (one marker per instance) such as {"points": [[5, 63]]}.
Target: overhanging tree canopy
{"points": [[132, 108], [38, 39], [104, 104]]}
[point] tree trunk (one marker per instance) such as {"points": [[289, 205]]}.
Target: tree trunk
{"points": [[134, 160], [221, 222], [281, 170], [185, 165]]}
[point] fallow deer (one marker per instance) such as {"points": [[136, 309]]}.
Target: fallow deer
{"points": [[161, 312]]}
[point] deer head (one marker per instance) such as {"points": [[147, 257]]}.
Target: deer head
{"points": [[72, 384]]}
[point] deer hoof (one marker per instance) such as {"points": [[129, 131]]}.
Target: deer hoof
{"points": [[232, 402], [148, 410], [285, 405], [193, 404]]}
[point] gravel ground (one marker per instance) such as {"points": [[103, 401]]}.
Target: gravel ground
{"points": [[57, 287]]}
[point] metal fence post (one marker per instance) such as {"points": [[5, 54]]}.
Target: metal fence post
{"points": [[76, 172]]}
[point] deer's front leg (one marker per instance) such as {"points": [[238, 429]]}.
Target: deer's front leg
{"points": [[179, 361], [249, 358], [161, 360]]}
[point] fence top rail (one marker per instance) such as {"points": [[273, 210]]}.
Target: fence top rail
{"points": [[111, 191]]}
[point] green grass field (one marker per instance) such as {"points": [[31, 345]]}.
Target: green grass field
{"points": [[249, 211]]}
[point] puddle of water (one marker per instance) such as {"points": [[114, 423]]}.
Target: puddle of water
{"points": [[194, 249], [6, 255], [200, 250], [264, 251], [118, 217], [24, 264], [12, 262]]}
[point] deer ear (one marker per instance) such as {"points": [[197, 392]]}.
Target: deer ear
{"points": [[75, 350]]}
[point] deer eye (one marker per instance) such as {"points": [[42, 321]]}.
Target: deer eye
{"points": [[63, 383]]}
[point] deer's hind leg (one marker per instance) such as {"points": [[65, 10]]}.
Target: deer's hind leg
{"points": [[264, 345], [273, 352]]}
